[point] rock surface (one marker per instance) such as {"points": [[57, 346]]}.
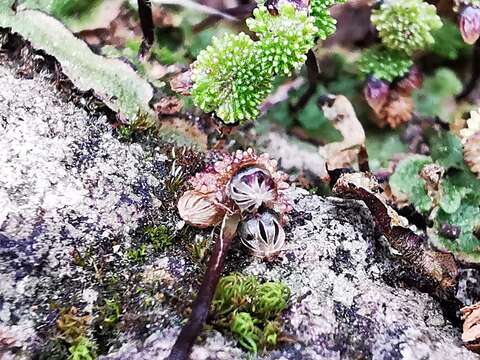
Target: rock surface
{"points": [[74, 199]]}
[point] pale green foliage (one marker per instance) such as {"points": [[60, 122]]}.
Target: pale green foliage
{"points": [[114, 81], [285, 38], [325, 23], [406, 182], [406, 25], [384, 64], [436, 96], [467, 218], [230, 78], [233, 292]]}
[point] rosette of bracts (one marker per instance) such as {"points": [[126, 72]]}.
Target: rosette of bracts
{"points": [[245, 184]]}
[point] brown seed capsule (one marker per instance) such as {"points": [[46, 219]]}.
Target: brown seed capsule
{"points": [[397, 110], [411, 82], [469, 23], [199, 209], [376, 93]]}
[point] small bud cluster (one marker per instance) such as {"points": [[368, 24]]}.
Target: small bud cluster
{"points": [[234, 75], [325, 23], [384, 64], [392, 102], [228, 78], [285, 38], [247, 184], [406, 25]]}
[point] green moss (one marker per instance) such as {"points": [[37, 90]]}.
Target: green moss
{"points": [[270, 299], [250, 310], [137, 255], [244, 329], [160, 237], [111, 311]]}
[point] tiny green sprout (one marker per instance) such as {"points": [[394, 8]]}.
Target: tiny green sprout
{"points": [[324, 22], [81, 350], [159, 236], [284, 38], [243, 326], [406, 25], [234, 291], [384, 64], [271, 299]]}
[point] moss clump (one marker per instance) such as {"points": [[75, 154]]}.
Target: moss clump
{"points": [[160, 237], [250, 310]]}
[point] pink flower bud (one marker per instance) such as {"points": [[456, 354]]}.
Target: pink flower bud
{"points": [[376, 93], [469, 23]]}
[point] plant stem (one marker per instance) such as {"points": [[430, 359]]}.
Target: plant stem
{"points": [[182, 347], [312, 74], [146, 22], [475, 73]]}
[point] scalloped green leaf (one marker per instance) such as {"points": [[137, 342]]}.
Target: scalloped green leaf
{"points": [[447, 150], [406, 182], [467, 246], [114, 81]]}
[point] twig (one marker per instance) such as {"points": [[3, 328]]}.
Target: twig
{"points": [[475, 73], [195, 6], [182, 347], [238, 13], [312, 75], [146, 22]]}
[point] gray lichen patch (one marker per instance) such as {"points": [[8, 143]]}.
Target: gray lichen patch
{"points": [[74, 202]]}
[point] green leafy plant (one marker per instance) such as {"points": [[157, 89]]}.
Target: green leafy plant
{"points": [[454, 206], [436, 96], [406, 182], [406, 25]]}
